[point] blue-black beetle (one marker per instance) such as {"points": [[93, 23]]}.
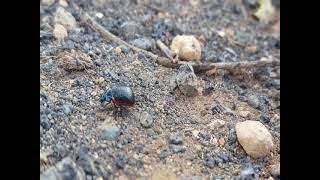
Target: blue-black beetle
{"points": [[120, 96]]}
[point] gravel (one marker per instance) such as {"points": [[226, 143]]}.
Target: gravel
{"points": [[247, 174], [65, 169], [71, 114], [86, 162], [121, 160], [175, 138]]}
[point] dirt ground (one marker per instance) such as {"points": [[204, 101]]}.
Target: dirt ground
{"points": [[72, 117]]}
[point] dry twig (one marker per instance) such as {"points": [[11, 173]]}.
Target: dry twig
{"points": [[169, 62], [170, 54]]}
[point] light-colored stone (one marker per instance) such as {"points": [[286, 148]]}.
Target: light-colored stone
{"points": [[275, 170], [59, 32], [244, 113], [221, 141], [99, 15], [255, 138], [65, 18], [187, 47], [266, 12], [117, 50], [221, 33], [195, 133], [63, 3], [216, 124], [47, 2]]}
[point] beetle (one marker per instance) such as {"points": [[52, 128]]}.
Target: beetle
{"points": [[120, 96]]}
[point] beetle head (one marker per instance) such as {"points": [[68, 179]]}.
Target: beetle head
{"points": [[107, 96]]}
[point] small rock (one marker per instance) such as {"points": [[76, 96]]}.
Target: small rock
{"points": [[117, 50], [210, 162], [247, 174], [48, 2], [43, 158], [99, 15], [45, 35], [195, 133], [121, 160], [266, 118], [216, 124], [67, 109], [65, 18], [266, 11], [85, 161], [44, 122], [177, 148], [244, 114], [187, 47], [207, 91], [175, 139], [63, 3], [255, 138], [211, 56], [253, 101], [146, 119], [59, 32], [275, 170], [65, 169], [251, 49], [187, 81], [221, 33], [221, 141], [110, 133], [129, 29], [217, 108], [142, 43]]}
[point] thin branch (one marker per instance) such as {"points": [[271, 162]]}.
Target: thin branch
{"points": [[168, 62], [170, 54]]}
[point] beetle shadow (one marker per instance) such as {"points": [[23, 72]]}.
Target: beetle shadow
{"points": [[120, 113]]}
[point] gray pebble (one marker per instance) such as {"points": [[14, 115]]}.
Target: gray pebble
{"points": [[187, 81], [121, 160], [146, 119], [175, 138], [67, 109], [275, 170], [85, 161], [247, 174], [266, 118], [253, 101], [65, 169], [44, 122], [129, 29], [143, 43], [110, 133]]}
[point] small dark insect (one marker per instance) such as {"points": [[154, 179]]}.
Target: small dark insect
{"points": [[120, 96]]}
